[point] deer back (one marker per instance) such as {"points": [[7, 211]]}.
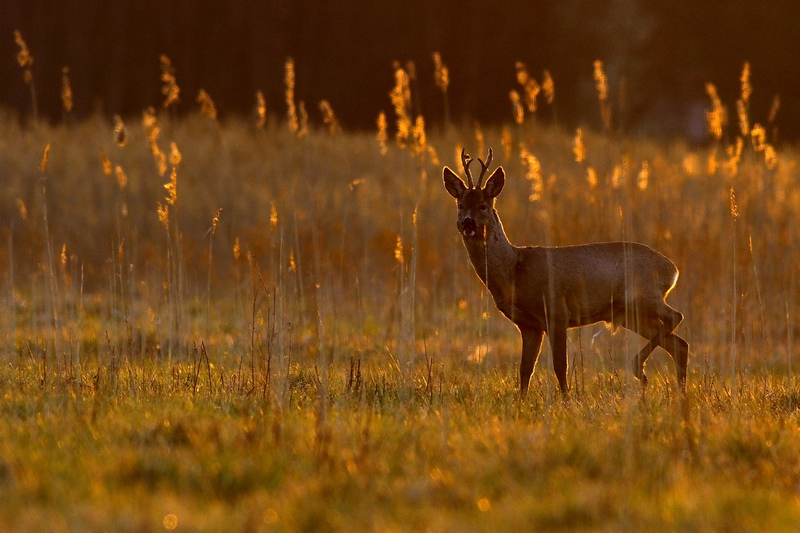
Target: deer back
{"points": [[583, 284]]}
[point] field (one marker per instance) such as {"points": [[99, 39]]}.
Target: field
{"points": [[272, 325]]}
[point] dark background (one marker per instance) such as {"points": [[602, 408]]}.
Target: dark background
{"points": [[658, 56]]}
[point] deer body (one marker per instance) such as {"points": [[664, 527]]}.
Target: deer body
{"points": [[546, 290]]}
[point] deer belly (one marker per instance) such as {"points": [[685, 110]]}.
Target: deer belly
{"points": [[518, 316], [583, 316]]}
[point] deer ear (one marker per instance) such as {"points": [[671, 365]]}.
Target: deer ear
{"points": [[453, 183], [495, 183]]}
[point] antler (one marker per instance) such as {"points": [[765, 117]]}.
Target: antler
{"points": [[465, 161], [484, 166]]}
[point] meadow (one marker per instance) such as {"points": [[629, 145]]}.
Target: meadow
{"points": [[270, 324]]}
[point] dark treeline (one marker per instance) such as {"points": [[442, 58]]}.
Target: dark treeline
{"points": [[657, 55]]}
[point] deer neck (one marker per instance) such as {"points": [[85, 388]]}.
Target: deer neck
{"points": [[494, 258]]}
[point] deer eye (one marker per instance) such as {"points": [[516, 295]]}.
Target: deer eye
{"points": [[483, 207], [459, 205]]}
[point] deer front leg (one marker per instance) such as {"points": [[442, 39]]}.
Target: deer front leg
{"points": [[531, 345], [558, 345]]}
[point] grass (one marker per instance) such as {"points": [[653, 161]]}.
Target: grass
{"points": [[322, 356], [458, 453]]}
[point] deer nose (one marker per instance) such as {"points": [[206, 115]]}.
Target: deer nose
{"points": [[468, 226]]}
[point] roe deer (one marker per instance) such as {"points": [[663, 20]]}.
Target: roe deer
{"points": [[550, 289]]}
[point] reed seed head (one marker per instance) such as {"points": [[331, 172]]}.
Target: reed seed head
{"points": [[24, 57], [717, 116], [420, 145], [163, 214], [291, 108], [770, 156], [207, 107], [120, 133], [45, 157], [734, 152], [578, 148], [591, 177], [169, 87], [600, 80], [382, 135], [530, 86], [261, 109], [174, 155], [744, 122], [601, 84], [153, 131], [616, 176], [441, 73], [106, 163], [273, 216], [747, 88], [644, 176], [161, 160], [303, 124], [328, 118], [400, 96], [150, 123], [712, 164], [22, 208], [237, 251], [773, 110], [533, 173], [433, 155], [734, 207], [549, 87], [508, 143], [122, 178], [215, 221], [172, 187], [758, 136], [398, 250], [516, 107], [66, 90]]}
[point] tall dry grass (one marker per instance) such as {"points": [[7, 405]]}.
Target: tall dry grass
{"points": [[248, 315], [318, 218], [332, 235]]}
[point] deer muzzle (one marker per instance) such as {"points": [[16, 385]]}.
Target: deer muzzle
{"points": [[468, 227]]}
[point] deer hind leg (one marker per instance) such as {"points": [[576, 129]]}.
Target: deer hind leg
{"points": [[653, 324], [675, 346], [678, 348], [640, 359], [669, 317], [658, 329], [531, 346]]}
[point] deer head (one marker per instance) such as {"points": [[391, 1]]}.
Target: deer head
{"points": [[476, 215]]}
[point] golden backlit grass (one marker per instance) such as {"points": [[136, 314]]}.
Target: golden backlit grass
{"points": [[273, 325], [321, 216], [144, 444]]}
